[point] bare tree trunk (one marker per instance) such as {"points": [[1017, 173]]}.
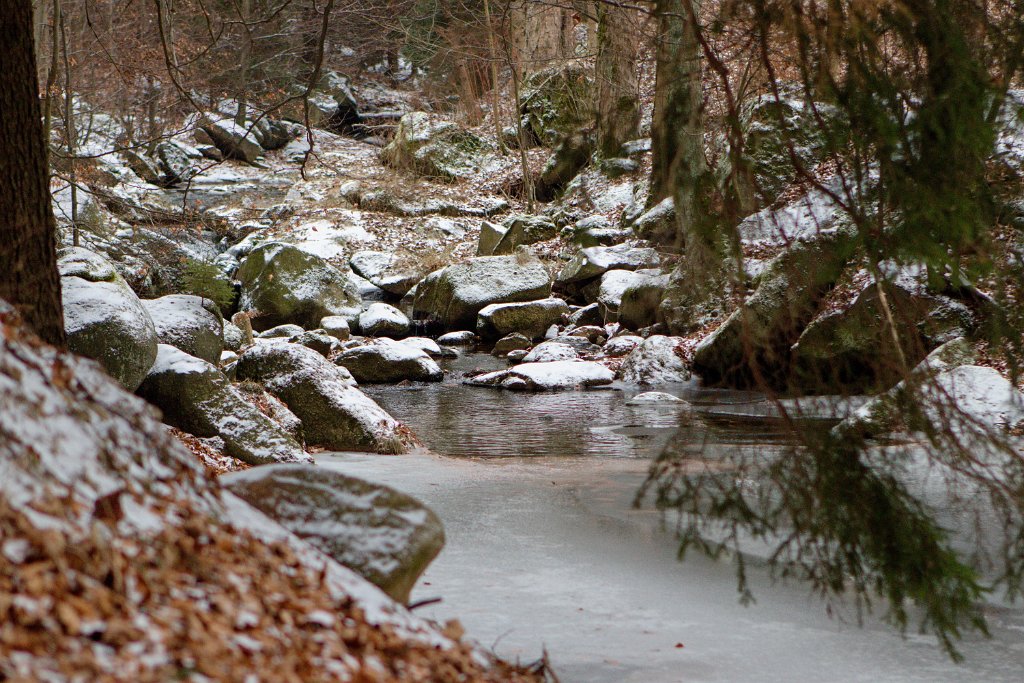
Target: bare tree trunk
{"points": [[618, 100], [244, 60], [493, 58], [70, 131], [29, 279], [542, 33], [51, 76], [677, 132]]}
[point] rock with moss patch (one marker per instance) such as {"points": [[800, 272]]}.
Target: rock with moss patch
{"points": [[287, 285], [189, 323], [592, 262], [435, 148], [453, 296], [386, 536], [556, 101], [104, 319], [334, 414], [195, 397], [640, 303]]}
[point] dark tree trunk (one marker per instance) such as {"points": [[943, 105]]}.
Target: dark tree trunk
{"points": [[28, 252], [677, 131]]}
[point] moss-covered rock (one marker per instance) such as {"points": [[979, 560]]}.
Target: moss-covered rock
{"points": [[454, 295], [556, 101], [189, 323], [641, 302], [386, 536], [754, 341], [334, 414], [288, 285], [531, 318], [195, 397], [435, 148], [104, 319]]}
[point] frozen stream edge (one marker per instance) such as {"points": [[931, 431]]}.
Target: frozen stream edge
{"points": [[546, 552]]}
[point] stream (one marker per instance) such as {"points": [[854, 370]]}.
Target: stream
{"points": [[545, 550]]}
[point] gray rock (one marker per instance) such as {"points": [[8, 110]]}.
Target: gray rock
{"points": [[588, 315], [319, 341], [640, 302], [490, 236], [549, 352], [524, 229], [553, 376], [454, 295], [286, 331], [234, 337], [104, 319], [385, 536], [592, 262], [530, 318], [233, 141], [460, 338], [386, 362], [189, 323], [287, 285], [334, 414], [143, 166], [383, 320], [658, 223], [512, 342], [195, 397], [655, 361], [336, 326], [175, 165], [616, 347], [385, 271]]}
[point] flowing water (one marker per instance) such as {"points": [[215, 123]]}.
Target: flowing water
{"points": [[546, 550]]}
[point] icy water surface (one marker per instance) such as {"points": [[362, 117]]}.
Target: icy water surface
{"points": [[545, 549]]}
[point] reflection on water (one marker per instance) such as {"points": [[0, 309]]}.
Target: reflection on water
{"points": [[462, 421]]}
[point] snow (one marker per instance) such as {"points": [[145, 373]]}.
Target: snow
{"points": [[551, 376], [428, 346], [803, 217], [654, 398], [382, 314], [549, 352], [460, 338]]}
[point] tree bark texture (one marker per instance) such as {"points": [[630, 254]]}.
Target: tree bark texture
{"points": [[618, 103], [28, 252]]}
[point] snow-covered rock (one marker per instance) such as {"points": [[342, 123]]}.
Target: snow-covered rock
{"points": [[385, 536], [383, 320], [616, 347], [553, 376], [655, 361], [386, 361], [189, 323], [454, 295], [549, 352], [286, 331], [592, 262], [530, 318], [654, 398], [288, 285], [336, 326], [334, 413], [385, 271], [511, 342], [195, 397], [103, 319], [459, 338], [436, 148]]}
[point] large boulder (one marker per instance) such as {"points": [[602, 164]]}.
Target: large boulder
{"points": [[233, 140], [754, 342], [386, 361], [387, 537], [455, 295], [189, 323], [592, 262], [551, 376], [103, 318], [287, 285], [853, 349], [385, 271], [334, 414], [435, 148], [523, 229], [556, 101], [640, 303], [655, 361], [384, 320], [550, 352], [197, 398], [531, 318], [174, 163]]}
